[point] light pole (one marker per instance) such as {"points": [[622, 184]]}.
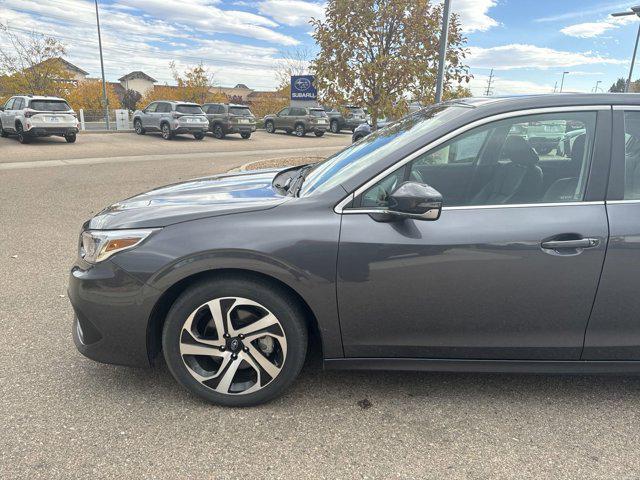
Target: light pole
{"points": [[634, 11], [595, 89], [444, 37], [104, 84], [562, 81]]}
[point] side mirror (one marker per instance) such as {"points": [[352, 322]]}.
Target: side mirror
{"points": [[1, 109], [413, 200]]}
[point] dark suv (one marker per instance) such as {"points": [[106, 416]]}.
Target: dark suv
{"points": [[226, 118], [299, 120], [441, 242], [345, 118]]}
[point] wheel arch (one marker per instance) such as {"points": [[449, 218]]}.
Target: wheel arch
{"points": [[163, 305]]}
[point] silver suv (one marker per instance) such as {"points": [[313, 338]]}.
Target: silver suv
{"points": [[28, 116], [171, 118]]}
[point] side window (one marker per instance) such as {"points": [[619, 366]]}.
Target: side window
{"points": [[220, 109], [632, 155], [151, 108], [9, 104], [530, 159], [18, 104], [163, 108], [284, 112]]}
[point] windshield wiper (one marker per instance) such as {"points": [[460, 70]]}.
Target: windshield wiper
{"points": [[295, 183]]}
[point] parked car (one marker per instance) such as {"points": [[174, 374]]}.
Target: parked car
{"points": [[298, 120], [365, 129], [348, 117], [227, 118], [29, 116], [171, 118], [442, 242]]}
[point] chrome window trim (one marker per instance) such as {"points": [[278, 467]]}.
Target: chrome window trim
{"points": [[615, 202], [353, 211], [626, 107], [340, 206]]}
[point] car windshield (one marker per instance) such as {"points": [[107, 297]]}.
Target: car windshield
{"points": [[49, 105], [318, 113], [352, 160], [240, 111], [190, 109]]}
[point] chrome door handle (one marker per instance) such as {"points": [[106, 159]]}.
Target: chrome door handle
{"points": [[573, 244]]}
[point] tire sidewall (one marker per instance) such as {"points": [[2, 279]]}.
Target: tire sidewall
{"points": [[274, 299], [218, 132], [137, 125], [269, 127], [334, 127], [300, 130]]}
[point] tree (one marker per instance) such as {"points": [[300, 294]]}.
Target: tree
{"points": [[88, 96], [31, 63], [270, 102], [130, 99], [293, 62], [618, 86], [378, 53], [196, 82]]}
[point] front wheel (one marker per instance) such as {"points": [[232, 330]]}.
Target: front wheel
{"points": [[198, 135], [269, 127], [245, 135], [235, 341], [70, 137], [137, 126]]}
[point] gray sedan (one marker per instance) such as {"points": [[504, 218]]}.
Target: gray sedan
{"points": [[442, 242]]}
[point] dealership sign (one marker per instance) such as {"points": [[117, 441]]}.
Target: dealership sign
{"points": [[303, 87]]}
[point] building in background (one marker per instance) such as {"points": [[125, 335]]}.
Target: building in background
{"points": [[137, 81]]}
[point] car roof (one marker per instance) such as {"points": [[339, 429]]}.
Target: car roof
{"points": [[518, 102], [41, 97]]}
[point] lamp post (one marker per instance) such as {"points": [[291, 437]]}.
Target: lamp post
{"points": [[104, 84], [562, 81], [634, 11], [444, 37], [595, 89]]}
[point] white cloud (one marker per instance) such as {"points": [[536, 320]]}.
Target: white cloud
{"points": [[505, 86], [583, 12], [473, 14], [292, 12], [519, 56], [595, 29]]}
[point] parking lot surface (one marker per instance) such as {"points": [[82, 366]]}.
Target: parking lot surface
{"points": [[64, 416]]}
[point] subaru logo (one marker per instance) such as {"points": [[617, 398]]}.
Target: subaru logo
{"points": [[235, 343], [303, 84]]}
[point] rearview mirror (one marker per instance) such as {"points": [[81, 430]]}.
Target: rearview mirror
{"points": [[412, 200]]}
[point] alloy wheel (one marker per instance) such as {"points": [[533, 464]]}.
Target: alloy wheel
{"points": [[166, 133], [233, 345], [300, 131], [269, 127], [334, 127], [138, 127]]}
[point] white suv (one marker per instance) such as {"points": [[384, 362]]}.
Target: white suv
{"points": [[29, 116]]}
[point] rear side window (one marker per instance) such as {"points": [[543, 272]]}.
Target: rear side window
{"points": [[632, 155], [163, 108], [318, 113], [284, 112], [49, 105], [189, 109], [240, 111], [297, 112]]}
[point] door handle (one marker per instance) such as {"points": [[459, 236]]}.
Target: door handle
{"points": [[571, 244]]}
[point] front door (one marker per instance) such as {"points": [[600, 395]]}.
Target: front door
{"points": [[281, 119], [510, 269]]}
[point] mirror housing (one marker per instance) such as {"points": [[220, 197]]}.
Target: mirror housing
{"points": [[412, 200]]}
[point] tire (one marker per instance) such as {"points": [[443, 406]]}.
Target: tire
{"points": [[167, 134], [288, 131], [70, 138], [137, 126], [218, 132], [221, 375], [300, 130], [319, 134], [3, 134], [357, 137], [269, 127], [334, 127], [198, 135], [246, 135], [22, 137]]}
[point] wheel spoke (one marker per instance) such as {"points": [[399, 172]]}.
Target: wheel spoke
{"points": [[227, 378], [264, 362], [261, 324], [193, 349], [222, 325]]}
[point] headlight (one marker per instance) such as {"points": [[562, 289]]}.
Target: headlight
{"points": [[98, 245]]}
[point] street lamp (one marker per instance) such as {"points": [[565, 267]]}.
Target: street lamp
{"points": [[443, 50], [595, 89], [634, 11], [104, 84], [562, 81]]}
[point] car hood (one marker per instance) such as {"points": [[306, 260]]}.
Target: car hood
{"points": [[191, 200]]}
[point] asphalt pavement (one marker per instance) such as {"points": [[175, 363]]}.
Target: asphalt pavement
{"points": [[63, 416]]}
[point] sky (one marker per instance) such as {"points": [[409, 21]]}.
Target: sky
{"points": [[527, 43]]}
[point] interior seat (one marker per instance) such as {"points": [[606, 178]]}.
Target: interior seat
{"points": [[564, 189], [518, 181]]}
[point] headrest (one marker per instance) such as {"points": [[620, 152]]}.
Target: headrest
{"points": [[577, 151], [518, 150]]}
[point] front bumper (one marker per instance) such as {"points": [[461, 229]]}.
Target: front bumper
{"points": [[112, 311]]}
